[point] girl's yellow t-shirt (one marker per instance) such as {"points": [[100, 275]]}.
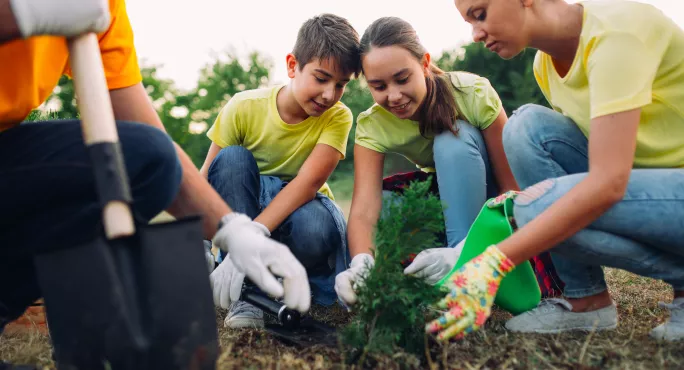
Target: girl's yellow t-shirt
{"points": [[381, 131], [630, 56]]}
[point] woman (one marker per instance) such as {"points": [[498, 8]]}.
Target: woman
{"points": [[613, 198], [450, 123]]}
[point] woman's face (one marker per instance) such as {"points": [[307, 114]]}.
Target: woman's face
{"points": [[396, 79], [499, 24]]}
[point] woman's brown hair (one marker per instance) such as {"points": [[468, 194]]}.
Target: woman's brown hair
{"points": [[439, 111]]}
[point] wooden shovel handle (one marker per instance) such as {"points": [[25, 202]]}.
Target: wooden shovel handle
{"points": [[97, 119]]}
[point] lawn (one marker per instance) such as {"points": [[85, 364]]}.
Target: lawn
{"points": [[628, 347]]}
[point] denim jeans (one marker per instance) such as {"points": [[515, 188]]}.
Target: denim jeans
{"points": [[464, 178], [49, 201], [315, 232], [643, 233]]}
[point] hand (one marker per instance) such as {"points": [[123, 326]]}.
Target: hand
{"points": [[500, 199], [347, 281], [262, 228], [60, 18], [211, 260], [435, 263], [226, 283], [473, 288], [260, 258]]}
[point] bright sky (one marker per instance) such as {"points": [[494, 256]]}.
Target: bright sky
{"points": [[181, 36]]}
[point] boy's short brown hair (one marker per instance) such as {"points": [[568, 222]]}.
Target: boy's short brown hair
{"points": [[328, 36]]}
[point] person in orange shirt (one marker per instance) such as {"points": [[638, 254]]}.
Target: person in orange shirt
{"points": [[47, 191]]}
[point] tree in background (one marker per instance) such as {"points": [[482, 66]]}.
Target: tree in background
{"points": [[513, 79], [188, 114]]}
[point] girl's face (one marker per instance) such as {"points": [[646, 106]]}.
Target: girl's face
{"points": [[396, 79], [499, 24]]}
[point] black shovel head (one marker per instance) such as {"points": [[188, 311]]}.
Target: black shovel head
{"points": [[140, 302]]}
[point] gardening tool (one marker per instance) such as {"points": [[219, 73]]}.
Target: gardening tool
{"points": [[138, 296], [519, 291], [291, 327]]}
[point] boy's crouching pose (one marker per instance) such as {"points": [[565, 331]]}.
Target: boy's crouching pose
{"points": [[272, 152]]}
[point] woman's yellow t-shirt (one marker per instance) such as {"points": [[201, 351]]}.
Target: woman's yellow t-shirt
{"points": [[251, 119], [630, 56], [31, 67], [381, 131]]}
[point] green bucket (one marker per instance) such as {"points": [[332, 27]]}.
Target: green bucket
{"points": [[519, 290]]}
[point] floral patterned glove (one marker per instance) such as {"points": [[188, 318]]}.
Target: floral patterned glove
{"points": [[473, 288], [499, 200]]}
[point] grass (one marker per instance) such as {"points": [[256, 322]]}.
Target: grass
{"points": [[628, 347]]}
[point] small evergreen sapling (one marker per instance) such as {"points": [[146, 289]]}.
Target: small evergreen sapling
{"points": [[390, 312]]}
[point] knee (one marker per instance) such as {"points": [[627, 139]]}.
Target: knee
{"points": [[230, 161], [315, 234], [526, 207], [161, 172], [524, 129], [448, 146]]}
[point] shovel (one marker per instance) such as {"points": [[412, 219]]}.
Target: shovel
{"points": [[118, 302], [291, 327]]}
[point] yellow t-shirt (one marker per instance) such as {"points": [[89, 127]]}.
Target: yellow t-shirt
{"points": [[381, 131], [630, 56], [251, 119], [32, 67]]}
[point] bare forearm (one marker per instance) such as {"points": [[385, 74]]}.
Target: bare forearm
{"points": [[294, 195], [360, 231], [571, 213], [504, 176], [9, 30]]}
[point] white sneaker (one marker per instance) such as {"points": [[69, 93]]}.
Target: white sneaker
{"points": [[672, 329], [554, 315], [244, 315]]}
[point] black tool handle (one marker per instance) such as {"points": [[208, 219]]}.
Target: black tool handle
{"points": [[287, 317]]}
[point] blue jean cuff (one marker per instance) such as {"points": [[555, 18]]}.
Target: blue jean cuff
{"points": [[584, 292]]}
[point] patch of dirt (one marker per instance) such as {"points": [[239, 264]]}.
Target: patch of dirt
{"points": [[627, 347]]}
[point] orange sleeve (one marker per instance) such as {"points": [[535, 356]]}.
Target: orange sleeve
{"points": [[118, 50]]}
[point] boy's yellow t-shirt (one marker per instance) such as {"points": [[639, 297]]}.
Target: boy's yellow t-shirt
{"points": [[31, 67], [251, 119], [381, 131], [630, 56]]}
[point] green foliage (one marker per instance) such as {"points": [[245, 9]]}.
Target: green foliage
{"points": [[512, 79], [391, 306]]}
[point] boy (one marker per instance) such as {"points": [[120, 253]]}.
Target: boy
{"points": [[272, 152]]}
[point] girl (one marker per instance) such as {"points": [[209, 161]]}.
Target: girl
{"points": [[615, 198], [445, 122]]}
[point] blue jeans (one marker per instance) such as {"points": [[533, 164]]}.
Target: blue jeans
{"points": [[464, 178], [644, 233], [48, 197], [313, 232]]}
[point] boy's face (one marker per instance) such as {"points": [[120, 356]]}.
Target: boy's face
{"points": [[317, 86]]}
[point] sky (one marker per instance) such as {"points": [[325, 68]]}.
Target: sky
{"points": [[181, 37]]}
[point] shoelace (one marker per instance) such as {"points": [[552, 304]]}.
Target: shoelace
{"points": [[676, 310], [550, 304], [243, 307]]}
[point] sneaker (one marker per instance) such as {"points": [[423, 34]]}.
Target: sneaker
{"points": [[244, 315], [554, 315], [672, 329]]}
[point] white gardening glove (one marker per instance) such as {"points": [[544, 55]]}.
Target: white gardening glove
{"points": [[261, 259], [347, 281], [60, 17], [262, 228], [435, 263], [211, 259], [226, 283]]}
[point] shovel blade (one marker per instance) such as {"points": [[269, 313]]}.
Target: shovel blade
{"points": [[141, 302]]}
